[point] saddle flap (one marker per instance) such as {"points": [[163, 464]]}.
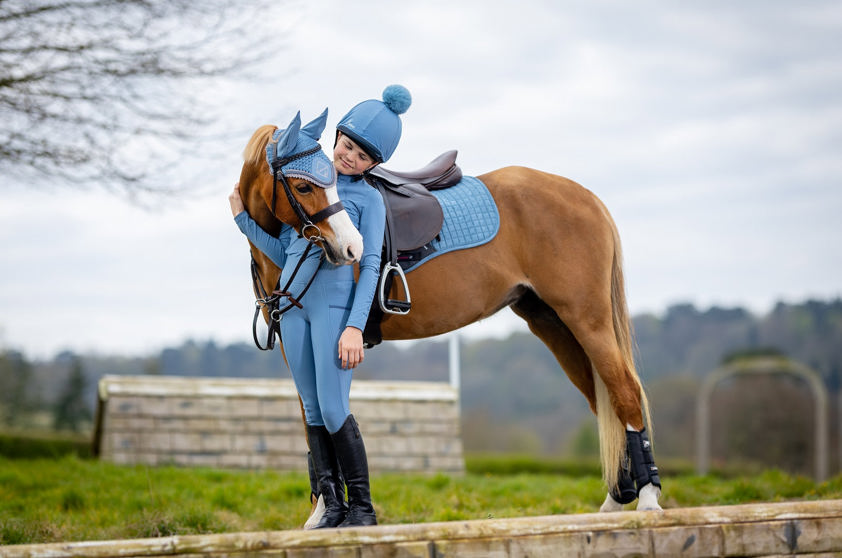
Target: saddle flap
{"points": [[416, 213]]}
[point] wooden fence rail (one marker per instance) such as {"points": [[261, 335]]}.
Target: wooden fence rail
{"points": [[760, 530]]}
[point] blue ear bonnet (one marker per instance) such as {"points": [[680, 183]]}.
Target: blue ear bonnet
{"points": [[314, 167]]}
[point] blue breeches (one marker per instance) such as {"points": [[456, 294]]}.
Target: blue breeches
{"points": [[310, 336]]}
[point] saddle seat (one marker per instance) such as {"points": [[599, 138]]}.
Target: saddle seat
{"points": [[439, 173], [413, 215]]}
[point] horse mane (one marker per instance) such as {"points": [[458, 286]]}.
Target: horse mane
{"points": [[255, 150], [254, 172]]}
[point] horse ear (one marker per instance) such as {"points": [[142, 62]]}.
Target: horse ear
{"points": [[289, 137], [315, 128]]}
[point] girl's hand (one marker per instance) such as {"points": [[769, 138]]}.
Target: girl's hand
{"points": [[236, 201], [351, 347]]}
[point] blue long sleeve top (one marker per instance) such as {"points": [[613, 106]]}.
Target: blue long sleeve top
{"points": [[364, 206]]}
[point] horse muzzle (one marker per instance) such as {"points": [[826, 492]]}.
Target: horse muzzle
{"points": [[345, 245]]}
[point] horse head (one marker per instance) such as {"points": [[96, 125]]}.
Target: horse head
{"points": [[286, 178]]}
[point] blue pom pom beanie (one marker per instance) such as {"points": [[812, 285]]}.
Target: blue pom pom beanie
{"points": [[376, 125]]}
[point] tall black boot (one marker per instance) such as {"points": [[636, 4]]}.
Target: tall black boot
{"points": [[314, 478], [350, 450], [328, 476]]}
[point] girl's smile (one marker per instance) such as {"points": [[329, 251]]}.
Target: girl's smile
{"points": [[349, 157]]}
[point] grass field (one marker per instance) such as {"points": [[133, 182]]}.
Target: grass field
{"points": [[72, 499]]}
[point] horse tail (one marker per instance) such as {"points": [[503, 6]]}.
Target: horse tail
{"points": [[612, 432], [255, 151]]}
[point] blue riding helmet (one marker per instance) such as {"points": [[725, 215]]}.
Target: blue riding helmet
{"points": [[375, 125]]}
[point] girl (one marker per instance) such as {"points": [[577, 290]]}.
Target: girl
{"points": [[323, 341]]}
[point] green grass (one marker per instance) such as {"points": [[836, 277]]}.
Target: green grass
{"points": [[73, 499]]}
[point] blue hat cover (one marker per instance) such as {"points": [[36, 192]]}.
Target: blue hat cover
{"points": [[315, 167], [376, 125]]}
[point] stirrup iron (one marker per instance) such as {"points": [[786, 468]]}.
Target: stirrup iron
{"points": [[391, 305]]}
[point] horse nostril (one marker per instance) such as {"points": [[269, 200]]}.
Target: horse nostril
{"points": [[350, 253]]}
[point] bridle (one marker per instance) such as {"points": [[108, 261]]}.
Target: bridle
{"points": [[307, 221], [310, 231]]}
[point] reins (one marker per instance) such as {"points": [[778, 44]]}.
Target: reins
{"points": [[272, 302], [308, 224]]}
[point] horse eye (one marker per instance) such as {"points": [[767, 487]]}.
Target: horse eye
{"points": [[304, 188]]}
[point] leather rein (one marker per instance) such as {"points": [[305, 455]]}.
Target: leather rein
{"points": [[311, 232]]}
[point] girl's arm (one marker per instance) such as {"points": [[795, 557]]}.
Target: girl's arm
{"points": [[274, 247], [372, 225]]}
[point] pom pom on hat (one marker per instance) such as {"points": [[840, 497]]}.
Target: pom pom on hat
{"points": [[397, 98]]}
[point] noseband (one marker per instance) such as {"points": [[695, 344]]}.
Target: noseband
{"points": [[310, 231]]}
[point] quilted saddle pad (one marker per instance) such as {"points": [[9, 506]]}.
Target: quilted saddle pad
{"points": [[470, 219]]}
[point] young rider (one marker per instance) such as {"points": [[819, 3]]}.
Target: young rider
{"points": [[323, 340]]}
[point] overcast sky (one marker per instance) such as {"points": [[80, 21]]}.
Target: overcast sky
{"points": [[712, 131]]}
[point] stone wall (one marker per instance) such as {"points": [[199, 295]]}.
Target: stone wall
{"points": [[256, 423]]}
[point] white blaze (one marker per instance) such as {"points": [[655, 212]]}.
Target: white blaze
{"points": [[348, 238]]}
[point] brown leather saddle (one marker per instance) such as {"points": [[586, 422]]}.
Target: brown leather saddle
{"points": [[416, 215], [413, 219]]}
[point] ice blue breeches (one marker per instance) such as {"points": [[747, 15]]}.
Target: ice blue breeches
{"points": [[310, 336]]}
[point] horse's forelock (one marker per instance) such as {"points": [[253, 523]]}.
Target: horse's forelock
{"points": [[255, 151]]}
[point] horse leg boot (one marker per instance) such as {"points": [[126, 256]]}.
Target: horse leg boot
{"points": [[350, 450], [625, 491], [643, 469], [328, 476]]}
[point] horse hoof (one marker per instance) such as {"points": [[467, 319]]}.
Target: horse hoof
{"points": [[610, 505], [656, 507], [316, 514], [648, 498]]}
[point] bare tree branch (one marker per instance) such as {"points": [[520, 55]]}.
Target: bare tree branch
{"points": [[107, 92]]}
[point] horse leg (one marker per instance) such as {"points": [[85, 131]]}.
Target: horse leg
{"points": [[317, 502], [596, 317], [616, 382], [547, 326]]}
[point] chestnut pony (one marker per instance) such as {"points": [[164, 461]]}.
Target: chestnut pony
{"points": [[556, 261]]}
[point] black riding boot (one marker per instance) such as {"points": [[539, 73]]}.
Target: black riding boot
{"points": [[328, 475], [350, 450], [314, 478]]}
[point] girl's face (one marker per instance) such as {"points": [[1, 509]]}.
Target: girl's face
{"points": [[350, 158]]}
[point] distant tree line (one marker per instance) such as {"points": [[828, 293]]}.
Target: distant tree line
{"points": [[515, 398]]}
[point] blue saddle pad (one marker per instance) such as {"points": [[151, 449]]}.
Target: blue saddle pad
{"points": [[470, 218]]}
